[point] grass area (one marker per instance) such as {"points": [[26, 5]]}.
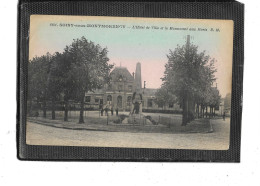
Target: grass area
{"points": [[108, 124]]}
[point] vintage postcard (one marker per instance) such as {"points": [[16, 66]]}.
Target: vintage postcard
{"points": [[99, 81]]}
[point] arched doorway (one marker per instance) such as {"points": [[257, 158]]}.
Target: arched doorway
{"points": [[129, 103], [119, 101]]}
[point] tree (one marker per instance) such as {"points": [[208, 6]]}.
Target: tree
{"points": [[68, 80], [163, 97], [38, 70], [213, 100], [55, 81], [188, 74], [227, 102], [89, 70]]}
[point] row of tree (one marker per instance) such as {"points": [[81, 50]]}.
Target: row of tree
{"points": [[81, 67], [188, 79]]}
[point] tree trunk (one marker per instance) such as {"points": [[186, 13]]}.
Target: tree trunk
{"points": [[66, 111], [81, 118], [53, 110], [53, 114], [191, 109], [185, 110], [198, 111], [201, 110], [44, 109], [206, 111]]}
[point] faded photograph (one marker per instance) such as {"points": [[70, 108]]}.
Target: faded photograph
{"points": [[129, 82]]}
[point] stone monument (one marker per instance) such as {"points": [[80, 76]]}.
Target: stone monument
{"points": [[136, 116], [137, 97]]}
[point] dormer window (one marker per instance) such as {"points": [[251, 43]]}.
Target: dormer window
{"points": [[109, 87], [120, 87], [120, 78]]}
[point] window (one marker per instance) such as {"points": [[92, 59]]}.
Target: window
{"points": [[170, 105], [120, 87], [130, 88], [129, 100], [119, 101], [120, 78], [109, 87], [150, 103], [87, 99], [109, 98], [160, 105], [96, 100]]}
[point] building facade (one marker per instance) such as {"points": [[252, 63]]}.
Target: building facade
{"points": [[119, 92]]}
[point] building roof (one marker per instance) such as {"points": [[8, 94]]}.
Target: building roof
{"points": [[126, 75]]}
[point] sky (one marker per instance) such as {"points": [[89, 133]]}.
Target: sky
{"points": [[144, 40]]}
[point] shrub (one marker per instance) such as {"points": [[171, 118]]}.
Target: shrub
{"points": [[151, 120], [120, 118], [163, 111]]}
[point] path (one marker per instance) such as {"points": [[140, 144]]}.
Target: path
{"points": [[46, 135]]}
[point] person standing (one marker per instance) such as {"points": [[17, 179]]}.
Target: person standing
{"points": [[106, 111], [102, 111], [112, 111], [224, 116], [116, 111]]}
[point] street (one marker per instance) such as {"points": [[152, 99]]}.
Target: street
{"points": [[45, 135]]}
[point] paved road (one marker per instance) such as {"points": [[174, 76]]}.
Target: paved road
{"points": [[45, 135]]}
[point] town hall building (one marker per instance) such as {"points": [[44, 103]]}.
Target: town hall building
{"points": [[119, 93]]}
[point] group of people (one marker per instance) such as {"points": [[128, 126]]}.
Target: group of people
{"points": [[106, 109]]}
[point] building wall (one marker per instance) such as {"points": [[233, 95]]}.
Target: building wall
{"points": [[126, 105], [124, 84], [115, 102]]}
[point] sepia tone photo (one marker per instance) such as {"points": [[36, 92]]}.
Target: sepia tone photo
{"points": [[129, 82]]}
